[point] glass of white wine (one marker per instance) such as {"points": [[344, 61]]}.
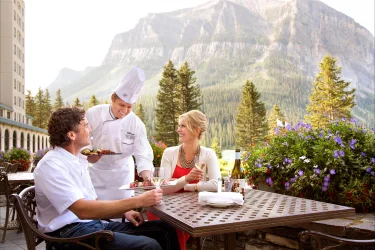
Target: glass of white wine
{"points": [[158, 178], [200, 165]]}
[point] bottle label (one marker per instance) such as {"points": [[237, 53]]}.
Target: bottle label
{"points": [[237, 185], [238, 155]]}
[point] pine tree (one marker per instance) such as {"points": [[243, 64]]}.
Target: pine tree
{"points": [[140, 113], [190, 92], [168, 110], [47, 109], [329, 101], [251, 125], [59, 103], [216, 147], [92, 102], [77, 103], [30, 104], [275, 114], [38, 113]]}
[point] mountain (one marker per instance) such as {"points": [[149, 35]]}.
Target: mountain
{"points": [[277, 44]]}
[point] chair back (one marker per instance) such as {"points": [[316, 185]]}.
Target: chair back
{"points": [[26, 208], [4, 185], [9, 167]]}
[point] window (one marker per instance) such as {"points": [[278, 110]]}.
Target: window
{"points": [[15, 32], [15, 116], [19, 87], [23, 26], [19, 104], [15, 15], [23, 13], [15, 84], [15, 67], [8, 114], [19, 117], [1, 114], [15, 101]]}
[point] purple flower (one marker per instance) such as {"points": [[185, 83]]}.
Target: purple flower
{"points": [[363, 153], [327, 178], [352, 143], [352, 120], [269, 181], [269, 166], [308, 126], [317, 171], [326, 183], [341, 153], [338, 140], [300, 173], [324, 188], [373, 160], [368, 170], [287, 185], [288, 127], [335, 154], [372, 173], [332, 171], [292, 180]]}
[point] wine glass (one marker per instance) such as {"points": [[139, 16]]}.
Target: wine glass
{"points": [[200, 165], [158, 176]]}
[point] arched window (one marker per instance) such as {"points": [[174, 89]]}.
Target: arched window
{"points": [[28, 142], [38, 143], [6, 139], [14, 139], [46, 143], [34, 143], [22, 139]]}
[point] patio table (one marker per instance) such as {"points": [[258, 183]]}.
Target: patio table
{"points": [[260, 210], [21, 178]]}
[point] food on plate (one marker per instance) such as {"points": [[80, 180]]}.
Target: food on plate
{"points": [[99, 151], [145, 184]]}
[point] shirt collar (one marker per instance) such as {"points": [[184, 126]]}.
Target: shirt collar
{"points": [[67, 154]]}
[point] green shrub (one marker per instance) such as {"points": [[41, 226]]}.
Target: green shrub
{"points": [[334, 165], [20, 156]]}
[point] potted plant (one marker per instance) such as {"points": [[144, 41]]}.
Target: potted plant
{"points": [[334, 165], [19, 156]]}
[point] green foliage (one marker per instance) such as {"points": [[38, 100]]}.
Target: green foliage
{"points": [[251, 123], [168, 110], [38, 113], [92, 102], [190, 91], [336, 164], [59, 103], [77, 103], [37, 156], [30, 104], [158, 148], [216, 147], [140, 112], [329, 101]]}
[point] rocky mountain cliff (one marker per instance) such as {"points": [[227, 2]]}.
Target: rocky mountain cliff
{"points": [[277, 44]]}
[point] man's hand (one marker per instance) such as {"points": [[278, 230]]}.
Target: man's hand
{"points": [[134, 217], [93, 158], [151, 197]]}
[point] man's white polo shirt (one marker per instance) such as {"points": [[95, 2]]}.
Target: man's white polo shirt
{"points": [[60, 180]]}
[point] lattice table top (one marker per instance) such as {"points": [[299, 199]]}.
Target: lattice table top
{"points": [[261, 209]]}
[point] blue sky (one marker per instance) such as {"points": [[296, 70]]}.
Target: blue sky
{"points": [[51, 25]]}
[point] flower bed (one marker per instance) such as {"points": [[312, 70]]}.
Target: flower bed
{"points": [[335, 165], [19, 156]]}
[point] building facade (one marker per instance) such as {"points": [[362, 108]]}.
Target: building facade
{"points": [[16, 128]]}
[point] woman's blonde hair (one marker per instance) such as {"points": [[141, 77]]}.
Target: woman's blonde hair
{"points": [[195, 119]]}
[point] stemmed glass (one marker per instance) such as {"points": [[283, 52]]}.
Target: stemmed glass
{"points": [[158, 178], [200, 165]]}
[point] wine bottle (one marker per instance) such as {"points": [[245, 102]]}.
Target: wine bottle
{"points": [[237, 176]]}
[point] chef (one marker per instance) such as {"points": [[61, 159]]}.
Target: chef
{"points": [[115, 127]]}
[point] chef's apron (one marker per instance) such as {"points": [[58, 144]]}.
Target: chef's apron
{"points": [[113, 171]]}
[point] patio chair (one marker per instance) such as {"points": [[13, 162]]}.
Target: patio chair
{"points": [[6, 190], [322, 241], [26, 208]]}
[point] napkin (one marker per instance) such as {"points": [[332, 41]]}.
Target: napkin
{"points": [[222, 198]]}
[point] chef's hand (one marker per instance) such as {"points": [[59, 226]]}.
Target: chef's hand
{"points": [[151, 197], [194, 174], [93, 158], [134, 217]]}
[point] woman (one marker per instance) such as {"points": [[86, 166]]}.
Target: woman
{"points": [[179, 161]]}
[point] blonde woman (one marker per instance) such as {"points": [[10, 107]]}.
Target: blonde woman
{"points": [[179, 161]]}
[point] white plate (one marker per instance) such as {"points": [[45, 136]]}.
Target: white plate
{"points": [[220, 204], [127, 187]]}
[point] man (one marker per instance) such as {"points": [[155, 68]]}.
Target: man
{"points": [[66, 197], [115, 127]]}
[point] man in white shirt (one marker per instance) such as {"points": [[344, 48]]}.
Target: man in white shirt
{"points": [[66, 199]]}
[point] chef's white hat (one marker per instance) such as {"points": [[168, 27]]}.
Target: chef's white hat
{"points": [[131, 85]]}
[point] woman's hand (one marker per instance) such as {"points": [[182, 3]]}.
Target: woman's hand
{"points": [[195, 174], [93, 158]]}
